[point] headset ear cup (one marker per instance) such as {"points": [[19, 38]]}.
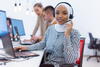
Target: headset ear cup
{"points": [[71, 16]]}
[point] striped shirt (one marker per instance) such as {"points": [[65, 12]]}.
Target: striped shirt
{"points": [[60, 48]]}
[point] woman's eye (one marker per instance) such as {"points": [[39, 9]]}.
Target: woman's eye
{"points": [[57, 12], [65, 13]]}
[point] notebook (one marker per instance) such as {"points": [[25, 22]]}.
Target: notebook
{"points": [[26, 42], [8, 47]]}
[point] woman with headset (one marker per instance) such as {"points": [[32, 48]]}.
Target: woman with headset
{"points": [[61, 41]]}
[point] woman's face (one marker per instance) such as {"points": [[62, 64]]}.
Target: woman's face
{"points": [[61, 14], [38, 10]]}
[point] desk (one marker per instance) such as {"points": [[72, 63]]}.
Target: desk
{"points": [[32, 62]]}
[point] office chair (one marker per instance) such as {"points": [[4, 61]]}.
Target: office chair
{"points": [[44, 59], [79, 60], [93, 45]]}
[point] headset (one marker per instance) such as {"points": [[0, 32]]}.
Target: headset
{"points": [[71, 15]]}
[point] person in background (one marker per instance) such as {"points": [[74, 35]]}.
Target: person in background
{"points": [[38, 8], [9, 26], [61, 41], [49, 15], [10, 29]]}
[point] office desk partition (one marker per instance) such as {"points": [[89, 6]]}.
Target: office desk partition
{"points": [[31, 62]]}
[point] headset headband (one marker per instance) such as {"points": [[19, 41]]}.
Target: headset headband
{"points": [[72, 12]]}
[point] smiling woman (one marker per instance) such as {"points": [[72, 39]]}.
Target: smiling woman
{"points": [[61, 46]]}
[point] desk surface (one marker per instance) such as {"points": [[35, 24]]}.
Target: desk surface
{"points": [[32, 62]]}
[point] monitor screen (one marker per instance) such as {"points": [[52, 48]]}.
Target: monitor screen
{"points": [[19, 25], [3, 25]]}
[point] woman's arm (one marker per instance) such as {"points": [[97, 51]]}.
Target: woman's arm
{"points": [[71, 47], [36, 27], [38, 46]]}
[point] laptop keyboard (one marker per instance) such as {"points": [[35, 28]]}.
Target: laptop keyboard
{"points": [[25, 54]]}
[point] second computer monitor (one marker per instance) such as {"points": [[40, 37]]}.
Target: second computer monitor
{"points": [[19, 25]]}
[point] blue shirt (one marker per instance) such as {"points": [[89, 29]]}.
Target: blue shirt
{"points": [[61, 49]]}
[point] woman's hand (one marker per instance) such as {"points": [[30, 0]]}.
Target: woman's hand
{"points": [[36, 38], [69, 27], [20, 48]]}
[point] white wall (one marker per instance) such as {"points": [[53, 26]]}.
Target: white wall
{"points": [[86, 15]]}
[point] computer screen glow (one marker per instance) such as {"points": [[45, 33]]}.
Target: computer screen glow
{"points": [[19, 24], [3, 25]]}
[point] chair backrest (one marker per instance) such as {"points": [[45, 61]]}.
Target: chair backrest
{"points": [[91, 36], [79, 61], [92, 43]]}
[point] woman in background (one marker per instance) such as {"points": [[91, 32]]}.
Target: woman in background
{"points": [[38, 8]]}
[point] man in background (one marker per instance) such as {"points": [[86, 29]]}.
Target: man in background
{"points": [[49, 15]]}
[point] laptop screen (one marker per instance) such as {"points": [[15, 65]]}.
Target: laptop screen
{"points": [[7, 45]]}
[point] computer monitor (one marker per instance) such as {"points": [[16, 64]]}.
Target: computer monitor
{"points": [[19, 25], [3, 25]]}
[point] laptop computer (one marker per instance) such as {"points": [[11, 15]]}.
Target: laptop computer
{"points": [[8, 47]]}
